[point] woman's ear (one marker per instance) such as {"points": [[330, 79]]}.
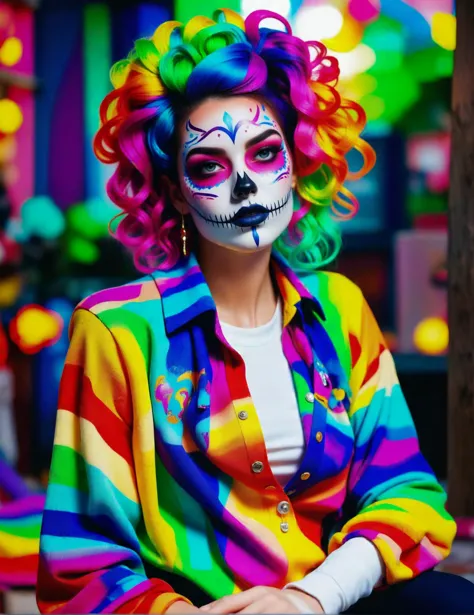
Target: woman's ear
{"points": [[293, 181]]}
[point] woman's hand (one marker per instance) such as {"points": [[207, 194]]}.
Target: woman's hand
{"points": [[269, 600], [181, 608]]}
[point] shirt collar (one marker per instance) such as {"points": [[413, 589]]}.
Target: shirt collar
{"points": [[292, 289], [185, 294]]}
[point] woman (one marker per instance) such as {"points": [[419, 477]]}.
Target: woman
{"points": [[227, 429]]}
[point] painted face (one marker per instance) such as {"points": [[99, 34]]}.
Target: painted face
{"points": [[236, 173]]}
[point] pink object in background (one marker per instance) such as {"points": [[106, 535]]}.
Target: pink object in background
{"points": [[364, 10], [7, 17], [21, 181], [430, 222], [428, 8], [430, 154], [418, 255], [465, 527]]}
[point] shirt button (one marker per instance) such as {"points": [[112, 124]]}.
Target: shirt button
{"points": [[257, 467], [309, 397], [319, 436], [284, 527], [339, 394], [305, 476], [283, 508], [243, 415]]}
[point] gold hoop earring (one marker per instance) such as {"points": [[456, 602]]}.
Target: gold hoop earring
{"points": [[184, 237]]}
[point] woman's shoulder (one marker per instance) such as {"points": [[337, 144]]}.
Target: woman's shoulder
{"points": [[334, 291], [119, 303]]}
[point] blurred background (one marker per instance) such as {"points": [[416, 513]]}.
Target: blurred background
{"points": [[396, 59]]}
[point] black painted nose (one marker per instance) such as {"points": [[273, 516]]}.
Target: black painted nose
{"points": [[244, 186]]}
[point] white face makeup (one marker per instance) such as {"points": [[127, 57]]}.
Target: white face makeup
{"points": [[236, 173]]}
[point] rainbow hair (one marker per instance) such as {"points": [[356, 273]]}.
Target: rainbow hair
{"points": [[179, 66]]}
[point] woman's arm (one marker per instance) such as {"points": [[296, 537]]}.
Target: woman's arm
{"points": [[393, 499], [90, 551]]}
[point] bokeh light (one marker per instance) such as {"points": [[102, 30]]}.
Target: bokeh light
{"points": [[80, 221], [10, 289], [282, 7], [427, 8], [431, 336], [10, 251], [101, 210], [385, 36], [428, 65], [11, 51], [357, 61], [364, 10], [318, 22], [82, 251], [8, 148], [3, 347], [42, 218], [6, 22], [34, 327], [374, 106], [11, 117], [348, 37], [443, 30]]}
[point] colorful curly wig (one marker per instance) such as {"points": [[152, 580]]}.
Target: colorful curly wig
{"points": [[179, 66]]}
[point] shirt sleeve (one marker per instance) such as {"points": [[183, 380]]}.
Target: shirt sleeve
{"points": [[393, 498], [90, 552], [346, 576]]}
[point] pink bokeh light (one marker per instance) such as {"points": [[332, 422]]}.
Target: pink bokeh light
{"points": [[364, 10], [428, 8]]}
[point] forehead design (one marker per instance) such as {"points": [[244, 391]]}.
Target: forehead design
{"points": [[196, 134]]}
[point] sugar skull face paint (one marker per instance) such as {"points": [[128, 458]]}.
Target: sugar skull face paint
{"points": [[235, 172]]}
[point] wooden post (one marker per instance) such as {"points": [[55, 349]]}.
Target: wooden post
{"points": [[461, 272]]}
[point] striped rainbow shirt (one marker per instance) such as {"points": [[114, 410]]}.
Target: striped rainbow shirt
{"points": [[159, 488]]}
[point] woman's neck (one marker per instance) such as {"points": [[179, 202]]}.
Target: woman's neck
{"points": [[240, 283]]}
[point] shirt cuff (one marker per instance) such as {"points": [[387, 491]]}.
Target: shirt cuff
{"points": [[347, 575]]}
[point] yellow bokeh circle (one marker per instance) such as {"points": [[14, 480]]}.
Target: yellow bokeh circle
{"points": [[11, 117], [443, 30], [349, 36], [431, 336], [11, 51]]}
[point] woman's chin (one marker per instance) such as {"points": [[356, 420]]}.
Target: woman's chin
{"points": [[245, 240]]}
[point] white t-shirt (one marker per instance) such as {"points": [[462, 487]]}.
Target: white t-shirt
{"points": [[351, 572], [271, 387]]}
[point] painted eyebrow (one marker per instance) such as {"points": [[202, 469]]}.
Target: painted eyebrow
{"points": [[216, 151], [259, 138], [212, 151]]}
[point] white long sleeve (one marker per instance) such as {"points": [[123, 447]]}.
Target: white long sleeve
{"points": [[347, 575]]}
